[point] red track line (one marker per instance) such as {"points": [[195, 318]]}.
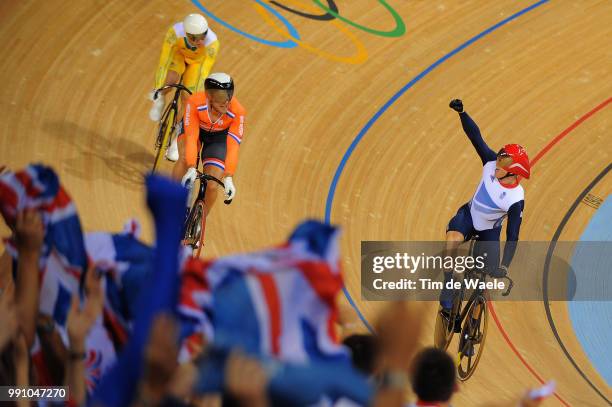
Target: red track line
{"points": [[518, 354], [568, 130], [545, 150]]}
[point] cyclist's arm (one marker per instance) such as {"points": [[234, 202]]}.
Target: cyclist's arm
{"points": [[234, 138], [473, 133], [212, 50], [165, 58], [515, 217], [191, 123]]}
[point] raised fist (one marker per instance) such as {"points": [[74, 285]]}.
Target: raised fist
{"points": [[456, 105]]}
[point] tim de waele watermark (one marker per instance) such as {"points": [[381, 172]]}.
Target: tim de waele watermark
{"points": [[420, 270], [449, 264]]}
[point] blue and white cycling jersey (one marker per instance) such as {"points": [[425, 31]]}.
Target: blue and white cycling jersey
{"points": [[492, 201]]}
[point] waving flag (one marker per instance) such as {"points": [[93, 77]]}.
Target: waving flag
{"points": [[124, 260], [279, 305], [194, 309], [278, 302], [37, 187], [159, 293]]}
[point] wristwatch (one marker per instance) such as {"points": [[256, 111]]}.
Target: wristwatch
{"points": [[73, 355]]}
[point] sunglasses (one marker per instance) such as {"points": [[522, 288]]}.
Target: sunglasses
{"points": [[219, 102], [197, 37], [504, 159]]}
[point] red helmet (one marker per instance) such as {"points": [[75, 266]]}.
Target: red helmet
{"points": [[513, 158]]}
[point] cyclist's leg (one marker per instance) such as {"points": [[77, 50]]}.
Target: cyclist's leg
{"points": [[487, 247], [180, 167], [213, 160], [172, 78], [191, 80], [175, 70], [177, 66], [453, 240], [459, 229]]}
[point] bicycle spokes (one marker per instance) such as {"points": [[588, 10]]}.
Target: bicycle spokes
{"points": [[472, 339], [193, 227]]}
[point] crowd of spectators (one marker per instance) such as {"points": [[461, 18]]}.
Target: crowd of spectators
{"points": [[384, 368]]}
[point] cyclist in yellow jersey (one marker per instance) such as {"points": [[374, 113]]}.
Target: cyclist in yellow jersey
{"points": [[190, 50]]}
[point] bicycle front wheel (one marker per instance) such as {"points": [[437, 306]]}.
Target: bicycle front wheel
{"points": [[194, 228], [200, 244], [166, 126], [447, 323], [472, 340]]}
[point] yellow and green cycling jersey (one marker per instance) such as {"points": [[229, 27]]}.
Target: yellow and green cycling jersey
{"points": [[193, 62]]}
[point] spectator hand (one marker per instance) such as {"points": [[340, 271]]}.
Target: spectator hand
{"points": [[29, 232], [21, 355], [535, 397], [79, 322], [456, 105], [29, 236], [399, 328], [162, 351], [183, 380], [8, 314], [245, 378]]}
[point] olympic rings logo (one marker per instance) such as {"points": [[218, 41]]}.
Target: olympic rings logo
{"points": [[292, 37]]}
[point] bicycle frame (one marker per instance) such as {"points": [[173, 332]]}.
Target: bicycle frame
{"points": [[199, 201], [168, 122], [469, 318], [478, 292], [179, 88], [174, 103], [194, 218], [204, 178]]}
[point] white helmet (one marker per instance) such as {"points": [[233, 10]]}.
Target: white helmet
{"points": [[220, 81], [195, 24]]}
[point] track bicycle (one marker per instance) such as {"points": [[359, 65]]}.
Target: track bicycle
{"points": [[469, 317], [195, 221], [168, 123]]}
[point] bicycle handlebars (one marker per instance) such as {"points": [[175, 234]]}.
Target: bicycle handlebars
{"points": [[207, 177], [510, 285], [177, 86], [482, 275]]}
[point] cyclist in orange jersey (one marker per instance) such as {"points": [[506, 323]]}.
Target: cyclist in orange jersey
{"points": [[214, 120]]}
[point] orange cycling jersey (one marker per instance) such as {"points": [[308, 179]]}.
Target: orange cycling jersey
{"points": [[199, 127]]}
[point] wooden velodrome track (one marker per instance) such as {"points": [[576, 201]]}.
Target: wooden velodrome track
{"points": [[75, 77]]}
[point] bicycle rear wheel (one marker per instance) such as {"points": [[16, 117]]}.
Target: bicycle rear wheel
{"points": [[472, 340], [162, 142]]}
